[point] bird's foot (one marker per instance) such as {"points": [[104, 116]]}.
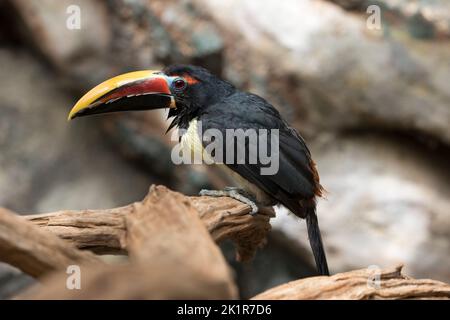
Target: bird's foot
{"points": [[235, 193]]}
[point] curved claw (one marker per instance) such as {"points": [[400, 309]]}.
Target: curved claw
{"points": [[234, 193]]}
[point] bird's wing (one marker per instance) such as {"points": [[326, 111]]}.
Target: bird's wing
{"points": [[295, 178]]}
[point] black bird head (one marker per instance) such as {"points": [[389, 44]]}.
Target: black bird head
{"points": [[184, 89]]}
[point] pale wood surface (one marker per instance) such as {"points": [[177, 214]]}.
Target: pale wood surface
{"points": [[104, 231], [362, 284], [172, 256], [171, 243], [35, 251]]}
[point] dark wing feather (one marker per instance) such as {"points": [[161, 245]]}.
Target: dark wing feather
{"points": [[295, 179]]}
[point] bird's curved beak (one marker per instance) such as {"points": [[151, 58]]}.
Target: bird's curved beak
{"points": [[140, 90]]}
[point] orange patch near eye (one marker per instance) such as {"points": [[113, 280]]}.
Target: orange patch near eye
{"points": [[190, 80]]}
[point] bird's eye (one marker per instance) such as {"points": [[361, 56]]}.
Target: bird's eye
{"points": [[179, 84]]}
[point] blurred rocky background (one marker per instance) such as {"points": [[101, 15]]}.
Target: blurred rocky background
{"points": [[373, 104]]}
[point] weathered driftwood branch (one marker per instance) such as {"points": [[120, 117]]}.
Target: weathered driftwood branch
{"points": [[360, 284], [172, 255], [153, 280], [35, 251], [104, 231]]}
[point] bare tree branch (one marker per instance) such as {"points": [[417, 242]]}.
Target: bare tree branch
{"points": [[35, 251], [361, 284], [103, 231], [172, 256]]}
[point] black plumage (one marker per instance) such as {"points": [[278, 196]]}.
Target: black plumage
{"points": [[219, 105], [195, 95]]}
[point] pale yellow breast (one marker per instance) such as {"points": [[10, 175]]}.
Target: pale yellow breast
{"points": [[191, 142]]}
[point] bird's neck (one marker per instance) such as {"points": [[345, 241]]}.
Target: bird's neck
{"points": [[185, 116]]}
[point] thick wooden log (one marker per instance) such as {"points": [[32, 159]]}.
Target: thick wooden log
{"points": [[35, 251], [152, 280], [166, 228], [361, 284], [172, 256], [104, 231]]}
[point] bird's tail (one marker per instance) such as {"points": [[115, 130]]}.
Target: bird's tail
{"points": [[315, 240]]}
